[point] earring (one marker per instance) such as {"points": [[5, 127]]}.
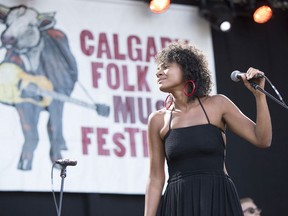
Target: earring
{"points": [[168, 101], [193, 88]]}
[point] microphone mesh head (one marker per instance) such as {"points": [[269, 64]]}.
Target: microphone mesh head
{"points": [[234, 76]]}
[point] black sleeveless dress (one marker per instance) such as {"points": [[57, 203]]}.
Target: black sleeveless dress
{"points": [[197, 185]]}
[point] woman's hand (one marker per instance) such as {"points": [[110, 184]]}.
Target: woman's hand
{"points": [[249, 77]]}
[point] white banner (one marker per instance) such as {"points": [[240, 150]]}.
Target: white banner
{"points": [[108, 60]]}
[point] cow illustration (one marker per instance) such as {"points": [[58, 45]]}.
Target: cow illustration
{"points": [[37, 57]]}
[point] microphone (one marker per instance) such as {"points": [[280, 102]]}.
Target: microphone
{"points": [[66, 162], [236, 76]]}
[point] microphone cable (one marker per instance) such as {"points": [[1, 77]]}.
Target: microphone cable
{"points": [[279, 100], [52, 188]]}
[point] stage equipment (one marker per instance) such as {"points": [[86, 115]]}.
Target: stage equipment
{"points": [[60, 164], [262, 12], [219, 14], [159, 6], [235, 76]]}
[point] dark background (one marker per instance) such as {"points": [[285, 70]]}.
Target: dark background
{"points": [[258, 173]]}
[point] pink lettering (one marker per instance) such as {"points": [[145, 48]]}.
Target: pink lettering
{"points": [[85, 139], [85, 36], [101, 141], [120, 151], [95, 74]]}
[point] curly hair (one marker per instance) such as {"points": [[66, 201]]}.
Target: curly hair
{"points": [[193, 64]]}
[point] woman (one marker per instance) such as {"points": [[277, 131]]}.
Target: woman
{"points": [[190, 134]]}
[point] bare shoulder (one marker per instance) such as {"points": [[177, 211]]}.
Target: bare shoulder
{"points": [[219, 98], [221, 101], [221, 105], [157, 114], [159, 122], [157, 118]]}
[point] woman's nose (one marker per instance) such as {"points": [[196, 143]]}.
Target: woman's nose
{"points": [[159, 73]]}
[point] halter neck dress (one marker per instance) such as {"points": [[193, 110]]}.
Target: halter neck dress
{"points": [[197, 184]]}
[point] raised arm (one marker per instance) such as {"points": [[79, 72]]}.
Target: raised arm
{"points": [[258, 133], [156, 177]]}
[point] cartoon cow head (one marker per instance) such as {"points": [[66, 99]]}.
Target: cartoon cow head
{"points": [[23, 27]]}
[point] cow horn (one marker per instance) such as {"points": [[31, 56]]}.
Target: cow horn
{"points": [[46, 20], [3, 13]]}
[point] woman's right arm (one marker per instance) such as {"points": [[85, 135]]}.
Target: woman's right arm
{"points": [[156, 177]]}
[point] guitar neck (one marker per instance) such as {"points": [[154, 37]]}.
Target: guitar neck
{"points": [[64, 98]]}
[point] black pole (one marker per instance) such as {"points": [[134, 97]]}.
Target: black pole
{"points": [[62, 175], [255, 86]]}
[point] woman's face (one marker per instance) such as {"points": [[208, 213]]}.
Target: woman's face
{"points": [[169, 76]]}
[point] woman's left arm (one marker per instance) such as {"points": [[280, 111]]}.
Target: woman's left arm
{"points": [[258, 133]]}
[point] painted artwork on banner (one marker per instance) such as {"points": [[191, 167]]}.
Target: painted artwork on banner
{"points": [[80, 85]]}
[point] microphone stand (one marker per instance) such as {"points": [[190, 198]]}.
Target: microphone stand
{"points": [[257, 87], [62, 175], [62, 163]]}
